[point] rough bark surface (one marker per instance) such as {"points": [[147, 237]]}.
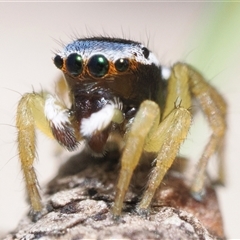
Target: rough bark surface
{"points": [[77, 205]]}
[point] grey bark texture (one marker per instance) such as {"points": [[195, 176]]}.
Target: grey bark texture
{"points": [[77, 205]]}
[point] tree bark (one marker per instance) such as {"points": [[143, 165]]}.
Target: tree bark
{"points": [[77, 205]]}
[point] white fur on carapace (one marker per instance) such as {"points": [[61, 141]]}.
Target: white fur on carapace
{"points": [[112, 50]]}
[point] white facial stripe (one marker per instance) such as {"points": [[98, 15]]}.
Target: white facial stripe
{"points": [[111, 50], [55, 113]]}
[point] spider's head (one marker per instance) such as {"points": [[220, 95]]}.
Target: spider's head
{"points": [[100, 71], [110, 67]]}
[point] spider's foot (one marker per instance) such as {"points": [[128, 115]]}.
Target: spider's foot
{"points": [[218, 182], [143, 212], [199, 196], [35, 215], [116, 218]]}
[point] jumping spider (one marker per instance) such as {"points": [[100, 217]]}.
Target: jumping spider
{"points": [[117, 88]]}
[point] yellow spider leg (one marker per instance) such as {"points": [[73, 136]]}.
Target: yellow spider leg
{"points": [[171, 132], [30, 114], [30, 108], [214, 107], [166, 140], [185, 79], [178, 90], [145, 119]]}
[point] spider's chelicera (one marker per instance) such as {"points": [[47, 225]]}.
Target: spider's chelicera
{"points": [[117, 87]]}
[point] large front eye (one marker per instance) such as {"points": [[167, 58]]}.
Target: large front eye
{"points": [[122, 64], [74, 64], [98, 65]]}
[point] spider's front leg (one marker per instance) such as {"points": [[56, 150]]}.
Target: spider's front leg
{"points": [[169, 135], [147, 134], [146, 118], [46, 113]]}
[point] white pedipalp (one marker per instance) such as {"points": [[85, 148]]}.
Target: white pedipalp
{"points": [[98, 121], [55, 113]]}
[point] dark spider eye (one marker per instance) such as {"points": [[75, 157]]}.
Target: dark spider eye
{"points": [[122, 64], [98, 65], [58, 61], [74, 64], [145, 52]]}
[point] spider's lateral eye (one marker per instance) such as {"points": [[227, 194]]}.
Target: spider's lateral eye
{"points": [[74, 64], [146, 52], [58, 61], [98, 65], [122, 64]]}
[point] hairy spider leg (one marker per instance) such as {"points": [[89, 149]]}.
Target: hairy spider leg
{"points": [[215, 108], [170, 134], [146, 117], [31, 114], [142, 137]]}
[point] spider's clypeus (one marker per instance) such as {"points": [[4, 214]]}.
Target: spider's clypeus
{"points": [[118, 88]]}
